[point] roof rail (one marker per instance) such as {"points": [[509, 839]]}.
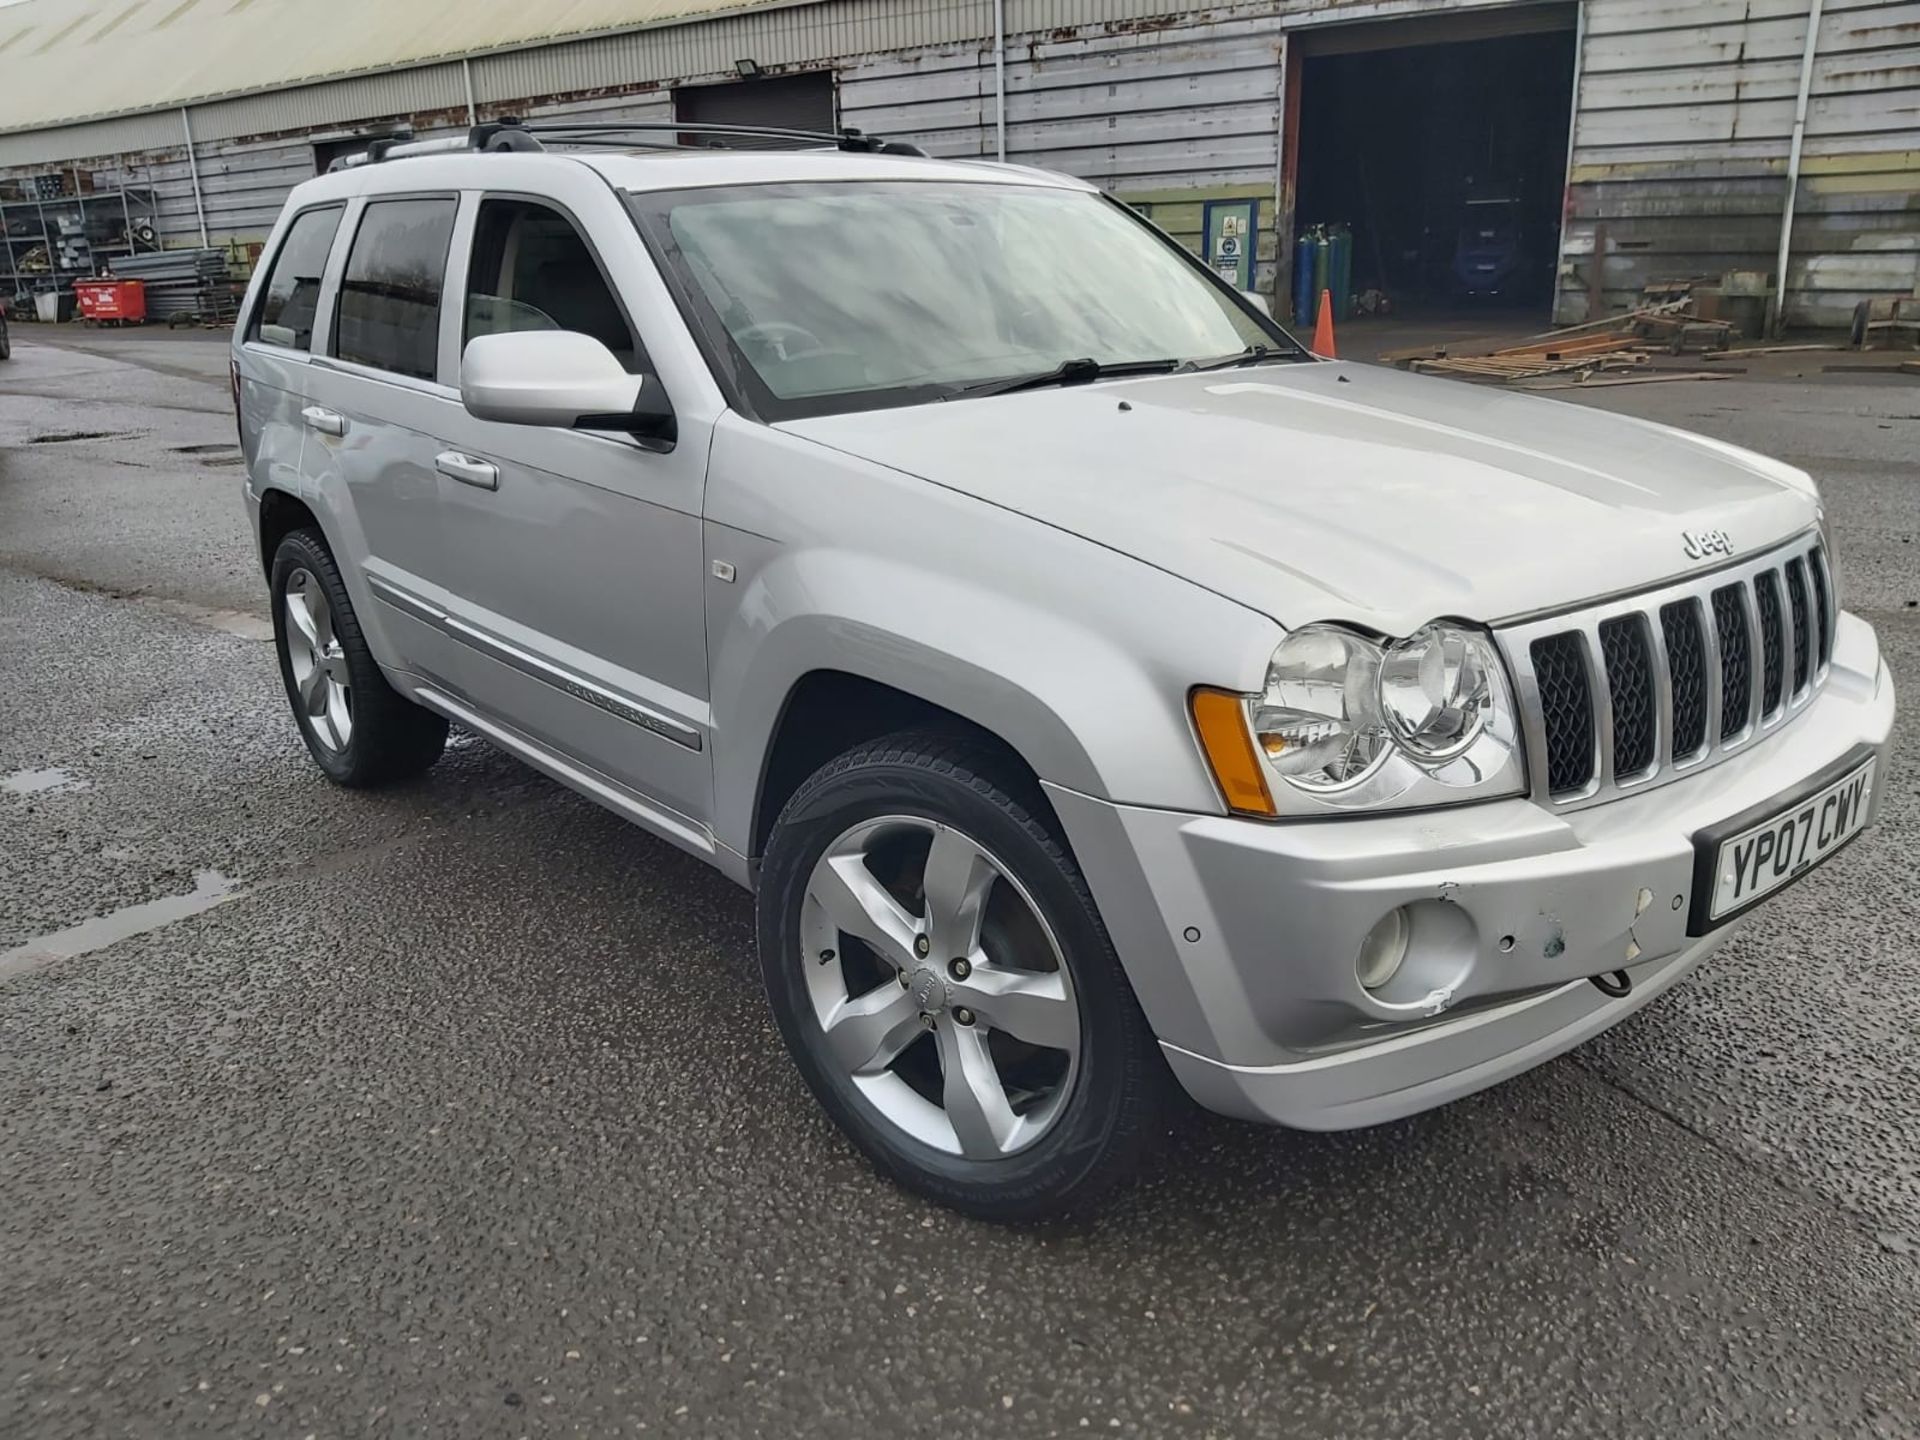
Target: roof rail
{"points": [[509, 133], [397, 147]]}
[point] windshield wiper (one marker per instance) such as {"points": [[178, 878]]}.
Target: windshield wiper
{"points": [[1067, 372], [1252, 355]]}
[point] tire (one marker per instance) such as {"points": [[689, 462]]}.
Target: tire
{"points": [[359, 730], [6, 344], [1071, 1128]]}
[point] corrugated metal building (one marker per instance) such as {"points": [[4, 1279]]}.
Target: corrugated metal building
{"points": [[1632, 140]]}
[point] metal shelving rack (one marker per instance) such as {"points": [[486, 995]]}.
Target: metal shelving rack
{"points": [[70, 228]]}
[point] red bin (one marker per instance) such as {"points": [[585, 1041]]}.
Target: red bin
{"points": [[122, 300]]}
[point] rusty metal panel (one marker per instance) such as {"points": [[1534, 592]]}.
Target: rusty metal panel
{"points": [[1682, 131]]}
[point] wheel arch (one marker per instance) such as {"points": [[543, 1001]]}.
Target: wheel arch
{"points": [[281, 513], [827, 712]]}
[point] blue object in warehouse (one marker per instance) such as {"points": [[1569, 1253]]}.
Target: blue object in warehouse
{"points": [[1340, 270], [1303, 291]]}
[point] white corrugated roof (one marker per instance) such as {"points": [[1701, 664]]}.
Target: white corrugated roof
{"points": [[67, 60]]}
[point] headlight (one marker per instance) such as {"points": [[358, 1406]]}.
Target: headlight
{"points": [[1318, 724], [1436, 689], [1350, 723]]}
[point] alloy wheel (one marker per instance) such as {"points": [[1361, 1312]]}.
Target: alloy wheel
{"points": [[321, 680], [941, 991]]}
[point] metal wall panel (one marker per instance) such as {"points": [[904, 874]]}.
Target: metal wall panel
{"points": [[101, 137], [353, 101], [1188, 111], [1679, 155], [1681, 142]]}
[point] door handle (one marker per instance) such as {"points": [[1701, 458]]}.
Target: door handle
{"points": [[325, 421], [468, 470]]}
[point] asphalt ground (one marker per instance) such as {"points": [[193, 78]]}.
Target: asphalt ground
{"points": [[455, 1110]]}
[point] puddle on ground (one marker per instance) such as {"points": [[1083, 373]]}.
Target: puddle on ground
{"points": [[210, 888], [66, 437], [228, 622], [40, 782]]}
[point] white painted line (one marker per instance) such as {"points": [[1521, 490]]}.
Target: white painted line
{"points": [[210, 888]]}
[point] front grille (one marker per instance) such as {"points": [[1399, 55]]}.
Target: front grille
{"points": [[1637, 691], [1623, 640], [1736, 658], [1802, 638], [1687, 664], [1822, 603], [1560, 669], [1771, 648]]}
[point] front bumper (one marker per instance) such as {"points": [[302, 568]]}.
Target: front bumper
{"points": [[1240, 936]]}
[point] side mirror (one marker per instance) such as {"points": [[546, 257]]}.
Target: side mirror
{"points": [[1258, 302], [552, 377]]}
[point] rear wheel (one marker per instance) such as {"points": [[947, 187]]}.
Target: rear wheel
{"points": [[945, 985], [6, 345], [359, 730]]}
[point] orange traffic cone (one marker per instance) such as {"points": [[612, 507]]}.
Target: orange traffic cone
{"points": [[1323, 328]]}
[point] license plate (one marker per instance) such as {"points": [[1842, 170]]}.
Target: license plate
{"points": [[1753, 863]]}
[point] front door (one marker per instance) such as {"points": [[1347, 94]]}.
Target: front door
{"points": [[576, 557]]}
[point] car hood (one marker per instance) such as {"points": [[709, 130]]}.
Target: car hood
{"points": [[1347, 492]]}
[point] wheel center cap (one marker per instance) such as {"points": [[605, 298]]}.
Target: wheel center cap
{"points": [[928, 990]]}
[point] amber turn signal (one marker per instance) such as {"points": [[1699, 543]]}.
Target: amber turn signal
{"points": [[1220, 720]]}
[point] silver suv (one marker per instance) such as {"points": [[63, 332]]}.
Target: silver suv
{"points": [[1102, 697]]}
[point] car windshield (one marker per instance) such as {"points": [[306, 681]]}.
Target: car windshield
{"points": [[828, 297]]}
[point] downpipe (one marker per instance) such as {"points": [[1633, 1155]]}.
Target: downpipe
{"points": [[1000, 80], [1793, 168]]}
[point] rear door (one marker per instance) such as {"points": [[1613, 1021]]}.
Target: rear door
{"points": [[276, 347], [371, 403], [576, 557]]}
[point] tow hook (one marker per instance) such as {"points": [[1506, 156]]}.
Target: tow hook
{"points": [[1617, 986]]}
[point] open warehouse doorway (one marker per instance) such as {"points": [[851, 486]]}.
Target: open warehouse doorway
{"points": [[1428, 161]]}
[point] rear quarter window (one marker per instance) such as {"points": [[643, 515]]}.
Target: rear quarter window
{"points": [[389, 311]]}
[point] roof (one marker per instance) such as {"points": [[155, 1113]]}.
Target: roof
{"points": [[666, 169], [69, 60]]}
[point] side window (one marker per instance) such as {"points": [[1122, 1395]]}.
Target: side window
{"points": [[389, 314], [532, 271], [291, 299]]}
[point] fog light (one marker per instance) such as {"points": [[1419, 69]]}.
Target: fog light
{"points": [[1382, 952]]}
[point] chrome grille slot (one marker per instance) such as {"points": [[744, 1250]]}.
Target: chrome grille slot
{"points": [[1735, 639], [1623, 640], [1637, 691], [1822, 604], [1687, 665], [1560, 669], [1802, 623], [1773, 649]]}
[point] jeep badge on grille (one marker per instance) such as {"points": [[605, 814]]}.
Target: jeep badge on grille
{"points": [[1702, 543]]}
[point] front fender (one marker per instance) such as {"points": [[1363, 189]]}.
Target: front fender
{"points": [[1077, 657]]}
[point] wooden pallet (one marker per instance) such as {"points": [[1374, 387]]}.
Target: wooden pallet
{"points": [[1509, 366]]}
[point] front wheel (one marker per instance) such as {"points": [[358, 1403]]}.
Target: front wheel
{"points": [[944, 982]]}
